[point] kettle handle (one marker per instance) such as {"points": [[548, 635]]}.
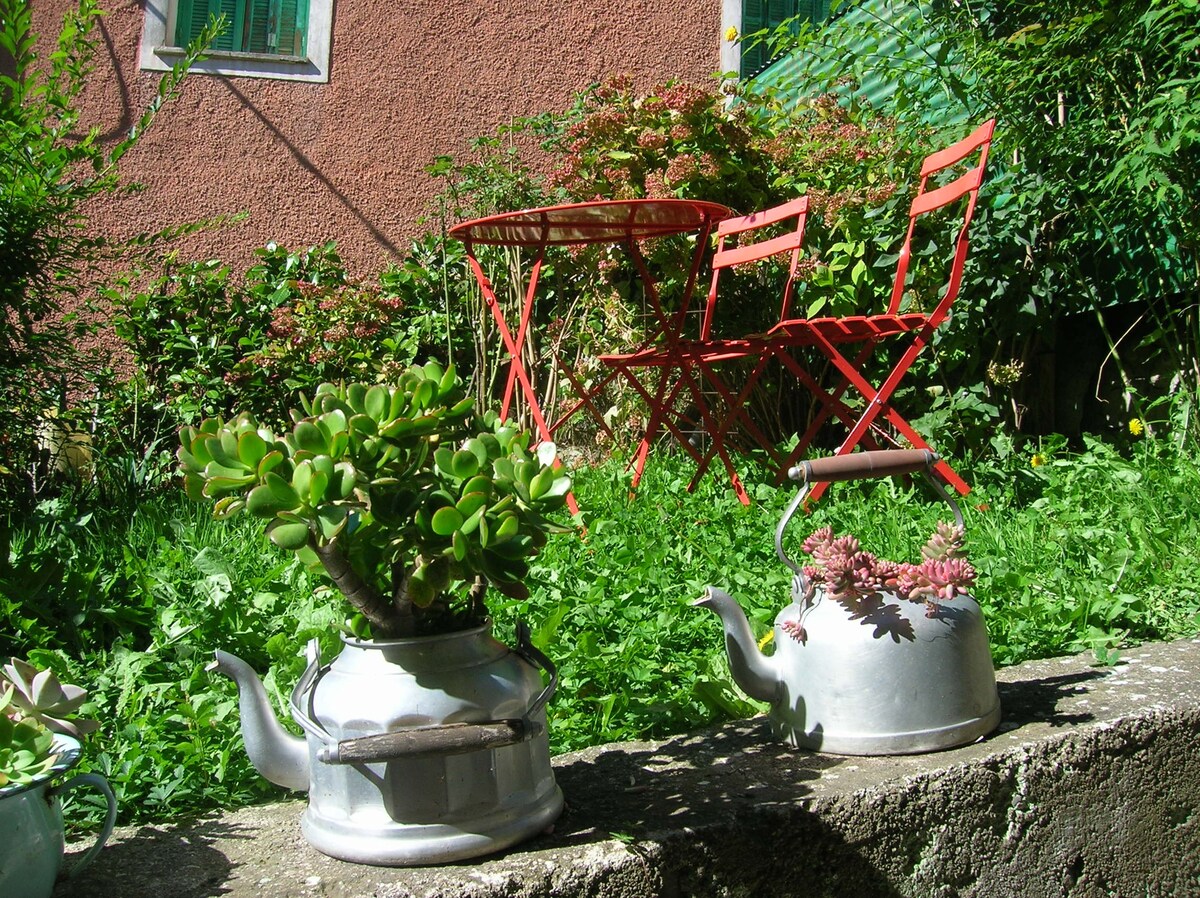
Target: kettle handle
{"points": [[858, 466], [452, 738]]}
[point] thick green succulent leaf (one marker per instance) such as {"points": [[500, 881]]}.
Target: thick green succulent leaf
{"points": [[332, 422], [317, 487], [236, 472], [470, 503], [265, 502], [228, 506], [288, 535], [310, 438], [364, 425], [219, 487], [540, 484], [420, 589], [331, 520], [443, 457], [504, 469], [344, 480], [251, 448], [464, 464], [509, 525], [302, 480], [423, 394], [323, 464], [481, 484], [270, 462], [356, 396], [446, 520], [224, 448], [284, 494], [193, 486], [435, 373], [377, 403], [559, 488], [472, 521]]}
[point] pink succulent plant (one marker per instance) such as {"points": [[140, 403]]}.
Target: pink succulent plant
{"points": [[847, 574]]}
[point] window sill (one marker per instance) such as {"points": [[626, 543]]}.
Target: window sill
{"points": [[177, 53]]}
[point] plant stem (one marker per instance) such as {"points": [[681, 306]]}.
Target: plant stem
{"points": [[402, 607], [356, 590], [478, 590]]}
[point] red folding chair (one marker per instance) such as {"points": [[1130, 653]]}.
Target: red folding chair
{"points": [[685, 367], [877, 417]]}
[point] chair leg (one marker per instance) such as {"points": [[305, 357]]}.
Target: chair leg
{"points": [[878, 402]]}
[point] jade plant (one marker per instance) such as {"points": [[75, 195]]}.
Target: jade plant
{"points": [[34, 706], [407, 497], [858, 580]]}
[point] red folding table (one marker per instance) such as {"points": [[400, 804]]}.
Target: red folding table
{"points": [[624, 222]]}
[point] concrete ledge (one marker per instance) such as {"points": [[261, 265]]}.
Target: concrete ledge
{"points": [[1091, 787]]}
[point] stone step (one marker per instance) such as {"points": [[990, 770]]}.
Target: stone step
{"points": [[1091, 787]]}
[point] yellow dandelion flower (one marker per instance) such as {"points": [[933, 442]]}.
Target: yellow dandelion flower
{"points": [[731, 34], [1136, 427], [1037, 461]]}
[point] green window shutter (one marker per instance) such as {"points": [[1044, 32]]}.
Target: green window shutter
{"points": [[192, 15], [293, 27], [816, 11], [759, 14], [255, 26]]}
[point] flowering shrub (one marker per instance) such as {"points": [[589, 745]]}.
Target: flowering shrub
{"points": [[678, 140], [208, 342], [846, 574]]}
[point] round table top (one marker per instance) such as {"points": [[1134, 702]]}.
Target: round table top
{"points": [[603, 221]]}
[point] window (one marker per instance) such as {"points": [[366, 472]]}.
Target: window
{"points": [[760, 14], [253, 26], [283, 39]]}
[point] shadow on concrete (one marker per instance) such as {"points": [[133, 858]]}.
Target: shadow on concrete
{"points": [[309, 166], [697, 811], [1046, 700], [686, 782], [177, 861]]}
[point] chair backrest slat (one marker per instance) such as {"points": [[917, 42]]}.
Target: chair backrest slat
{"points": [[762, 218], [753, 252], [947, 193], [935, 162], [927, 200]]}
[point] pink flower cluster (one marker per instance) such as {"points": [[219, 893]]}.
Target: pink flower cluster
{"points": [[847, 574]]}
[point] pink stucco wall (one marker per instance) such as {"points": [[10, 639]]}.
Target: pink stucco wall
{"points": [[345, 160]]}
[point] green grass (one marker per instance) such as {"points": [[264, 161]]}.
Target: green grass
{"points": [[1090, 551]]}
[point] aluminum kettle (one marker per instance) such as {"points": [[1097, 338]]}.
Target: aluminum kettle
{"points": [[893, 680]]}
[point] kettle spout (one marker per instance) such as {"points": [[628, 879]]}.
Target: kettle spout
{"points": [[752, 670], [275, 753]]}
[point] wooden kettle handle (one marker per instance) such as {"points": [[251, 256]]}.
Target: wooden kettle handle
{"points": [[860, 465]]}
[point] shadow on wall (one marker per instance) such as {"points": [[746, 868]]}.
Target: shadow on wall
{"points": [[126, 119], [307, 164]]}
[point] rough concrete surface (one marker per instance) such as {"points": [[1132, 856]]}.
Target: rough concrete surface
{"points": [[1091, 787]]}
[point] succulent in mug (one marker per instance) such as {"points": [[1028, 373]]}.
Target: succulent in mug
{"points": [[34, 706], [408, 498]]}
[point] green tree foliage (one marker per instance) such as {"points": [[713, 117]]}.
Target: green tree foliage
{"points": [[49, 261], [1091, 196]]}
